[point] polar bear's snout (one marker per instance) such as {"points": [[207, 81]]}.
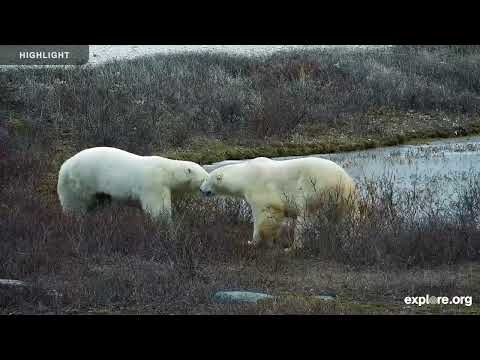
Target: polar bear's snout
{"points": [[207, 193], [206, 189]]}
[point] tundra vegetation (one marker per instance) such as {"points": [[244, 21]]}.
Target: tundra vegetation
{"points": [[208, 107]]}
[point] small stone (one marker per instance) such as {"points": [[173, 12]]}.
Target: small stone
{"points": [[325, 297], [9, 282], [233, 297], [9, 287]]}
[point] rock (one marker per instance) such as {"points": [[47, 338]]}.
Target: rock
{"points": [[16, 291], [9, 283], [326, 297], [233, 297]]}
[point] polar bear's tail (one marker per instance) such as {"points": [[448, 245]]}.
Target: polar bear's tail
{"points": [[63, 189], [355, 203], [350, 199], [70, 199]]}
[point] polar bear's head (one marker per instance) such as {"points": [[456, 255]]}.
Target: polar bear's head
{"points": [[227, 180], [189, 176]]}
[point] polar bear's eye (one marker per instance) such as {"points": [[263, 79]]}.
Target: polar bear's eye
{"points": [[219, 177]]}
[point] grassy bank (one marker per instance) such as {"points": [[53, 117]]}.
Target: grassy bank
{"points": [[211, 107], [209, 151]]}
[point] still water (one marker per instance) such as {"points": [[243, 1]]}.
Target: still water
{"points": [[440, 167]]}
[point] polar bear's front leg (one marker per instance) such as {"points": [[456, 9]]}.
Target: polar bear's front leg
{"points": [[158, 204], [267, 223]]}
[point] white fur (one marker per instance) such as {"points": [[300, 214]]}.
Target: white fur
{"points": [[276, 190], [125, 176]]}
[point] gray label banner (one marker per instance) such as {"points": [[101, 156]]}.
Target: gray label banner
{"points": [[44, 54]]}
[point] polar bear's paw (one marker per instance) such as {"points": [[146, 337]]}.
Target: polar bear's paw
{"points": [[289, 250], [293, 249]]}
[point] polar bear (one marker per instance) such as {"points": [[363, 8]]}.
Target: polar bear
{"points": [[123, 176], [279, 190]]}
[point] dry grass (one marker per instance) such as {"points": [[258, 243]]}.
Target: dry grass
{"points": [[168, 102], [116, 260]]}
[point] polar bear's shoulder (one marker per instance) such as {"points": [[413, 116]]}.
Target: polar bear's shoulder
{"points": [[311, 161], [104, 152], [261, 161]]}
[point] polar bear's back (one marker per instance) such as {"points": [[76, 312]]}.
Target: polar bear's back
{"points": [[307, 175], [100, 159], [103, 169], [298, 168], [318, 168]]}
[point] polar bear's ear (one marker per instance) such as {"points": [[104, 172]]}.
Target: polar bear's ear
{"points": [[188, 171], [219, 177]]}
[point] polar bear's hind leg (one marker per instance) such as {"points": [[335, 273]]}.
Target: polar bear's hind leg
{"points": [[72, 199], [73, 202]]}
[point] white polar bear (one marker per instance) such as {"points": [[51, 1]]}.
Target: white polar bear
{"points": [[276, 190], [124, 176]]}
